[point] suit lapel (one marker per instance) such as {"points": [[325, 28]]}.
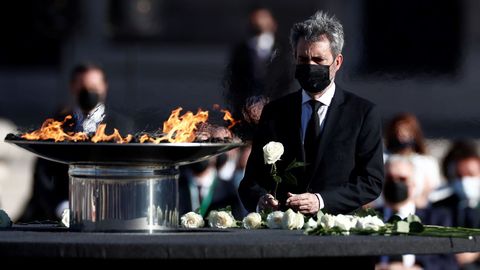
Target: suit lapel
{"points": [[294, 125], [331, 121]]}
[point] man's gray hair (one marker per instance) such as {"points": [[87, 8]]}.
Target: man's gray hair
{"points": [[314, 27]]}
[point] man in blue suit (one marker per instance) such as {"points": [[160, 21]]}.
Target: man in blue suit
{"points": [[337, 133]]}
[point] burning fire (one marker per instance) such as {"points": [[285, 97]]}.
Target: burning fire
{"points": [[100, 136], [228, 117], [52, 130], [178, 128]]}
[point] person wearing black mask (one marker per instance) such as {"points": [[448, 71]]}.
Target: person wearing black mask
{"points": [[88, 88], [335, 132], [403, 136], [399, 197]]}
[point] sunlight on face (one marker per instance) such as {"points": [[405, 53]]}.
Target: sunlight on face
{"points": [[318, 53]]}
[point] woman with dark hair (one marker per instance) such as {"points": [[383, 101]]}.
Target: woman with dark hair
{"points": [[404, 136]]}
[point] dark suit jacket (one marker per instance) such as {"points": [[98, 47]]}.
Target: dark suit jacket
{"points": [[348, 171]]}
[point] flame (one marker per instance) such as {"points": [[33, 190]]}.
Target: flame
{"points": [[182, 128], [178, 128], [100, 136], [228, 117], [52, 130]]}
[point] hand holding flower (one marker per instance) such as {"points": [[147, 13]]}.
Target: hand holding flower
{"points": [[272, 152], [305, 203], [267, 202]]}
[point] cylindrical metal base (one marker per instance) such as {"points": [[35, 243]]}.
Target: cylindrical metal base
{"points": [[123, 198]]}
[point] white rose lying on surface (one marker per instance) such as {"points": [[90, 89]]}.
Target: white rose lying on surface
{"points": [[310, 224], [327, 221], [369, 223], [252, 221], [192, 220], [292, 220], [345, 222], [272, 152], [221, 219], [66, 217], [274, 220]]}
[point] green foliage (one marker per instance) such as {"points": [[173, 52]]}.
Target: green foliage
{"points": [[5, 221], [363, 212], [416, 227], [394, 219]]}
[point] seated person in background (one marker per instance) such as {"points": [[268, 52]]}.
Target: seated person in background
{"points": [[404, 137], [399, 196], [463, 202], [88, 87], [200, 187]]}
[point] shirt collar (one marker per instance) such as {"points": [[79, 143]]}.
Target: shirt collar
{"points": [[406, 210], [325, 99], [206, 180]]}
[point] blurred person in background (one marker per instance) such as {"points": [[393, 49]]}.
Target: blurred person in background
{"points": [[403, 136], [16, 167], [258, 71], [201, 188], [88, 88], [399, 196], [459, 149], [462, 197]]}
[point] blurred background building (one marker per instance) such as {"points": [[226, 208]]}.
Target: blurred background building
{"points": [[417, 56]]}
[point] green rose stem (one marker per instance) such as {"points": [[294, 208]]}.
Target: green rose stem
{"points": [[276, 178]]}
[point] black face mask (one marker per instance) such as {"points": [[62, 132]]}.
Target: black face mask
{"points": [[395, 191], [313, 78], [396, 145], [88, 99], [200, 166]]}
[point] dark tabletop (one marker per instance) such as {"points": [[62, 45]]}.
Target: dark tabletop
{"points": [[214, 244]]}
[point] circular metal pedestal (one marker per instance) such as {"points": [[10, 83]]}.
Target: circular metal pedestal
{"points": [[123, 198]]}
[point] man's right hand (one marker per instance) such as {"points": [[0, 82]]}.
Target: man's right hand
{"points": [[267, 201]]}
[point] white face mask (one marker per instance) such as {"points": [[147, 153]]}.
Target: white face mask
{"points": [[469, 188]]}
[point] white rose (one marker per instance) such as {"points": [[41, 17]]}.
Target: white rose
{"points": [[343, 222], [192, 220], [274, 220], [272, 152], [66, 217], [369, 223], [292, 220], [252, 221], [310, 224], [327, 221], [221, 219]]}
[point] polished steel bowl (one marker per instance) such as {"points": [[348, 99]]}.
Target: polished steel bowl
{"points": [[88, 153]]}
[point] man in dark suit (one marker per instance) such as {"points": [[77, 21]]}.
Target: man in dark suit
{"points": [[88, 86], [399, 197], [200, 187], [337, 134]]}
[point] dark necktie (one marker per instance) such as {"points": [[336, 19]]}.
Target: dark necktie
{"points": [[200, 197], [312, 132]]}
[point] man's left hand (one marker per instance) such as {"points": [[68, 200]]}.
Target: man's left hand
{"points": [[305, 203]]}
